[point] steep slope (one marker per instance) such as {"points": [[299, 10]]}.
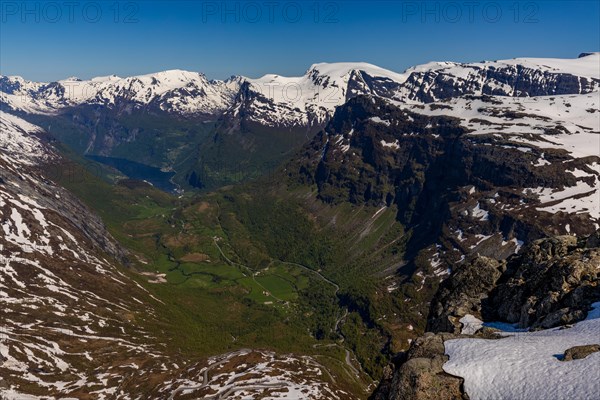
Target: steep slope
{"points": [[75, 324], [410, 191], [273, 116], [551, 282], [65, 308], [446, 167], [274, 113], [412, 175]]}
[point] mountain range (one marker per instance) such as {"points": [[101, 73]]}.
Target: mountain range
{"points": [[241, 119], [171, 236], [308, 100]]}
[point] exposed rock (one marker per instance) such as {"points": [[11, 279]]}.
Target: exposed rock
{"points": [[463, 293], [593, 240], [553, 282], [420, 375], [579, 352], [61, 282], [468, 193], [519, 81]]}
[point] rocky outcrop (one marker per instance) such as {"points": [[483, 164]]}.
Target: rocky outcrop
{"points": [[463, 294], [549, 283], [446, 182], [517, 80], [554, 282], [580, 352], [420, 376]]}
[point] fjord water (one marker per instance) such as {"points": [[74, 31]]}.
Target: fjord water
{"points": [[138, 171]]}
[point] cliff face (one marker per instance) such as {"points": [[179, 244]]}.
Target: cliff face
{"points": [[462, 187], [497, 80], [551, 282], [419, 375]]}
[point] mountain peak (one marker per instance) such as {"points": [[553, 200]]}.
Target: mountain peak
{"points": [[311, 98], [582, 55], [108, 78], [176, 73], [339, 69]]}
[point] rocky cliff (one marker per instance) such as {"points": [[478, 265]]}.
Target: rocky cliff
{"points": [[552, 282], [458, 185]]}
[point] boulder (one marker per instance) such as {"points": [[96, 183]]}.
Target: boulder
{"points": [[579, 352], [421, 376]]}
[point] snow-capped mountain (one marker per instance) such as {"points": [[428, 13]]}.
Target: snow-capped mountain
{"points": [[311, 99], [471, 159], [272, 100], [91, 116], [63, 303], [175, 91], [519, 77], [308, 100], [472, 174], [18, 143]]}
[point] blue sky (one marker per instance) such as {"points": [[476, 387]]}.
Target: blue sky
{"points": [[53, 40]]}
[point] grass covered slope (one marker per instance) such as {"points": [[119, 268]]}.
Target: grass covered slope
{"points": [[220, 289]]}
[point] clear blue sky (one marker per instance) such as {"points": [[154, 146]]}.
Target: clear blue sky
{"points": [[53, 40]]}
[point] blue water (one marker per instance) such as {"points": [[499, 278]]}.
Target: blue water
{"points": [[138, 171]]}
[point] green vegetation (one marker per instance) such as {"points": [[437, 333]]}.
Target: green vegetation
{"points": [[265, 266], [221, 288], [202, 154], [350, 247], [309, 261]]}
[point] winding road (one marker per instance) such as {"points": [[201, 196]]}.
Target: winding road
{"points": [[336, 328], [335, 285], [230, 390], [250, 272]]}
